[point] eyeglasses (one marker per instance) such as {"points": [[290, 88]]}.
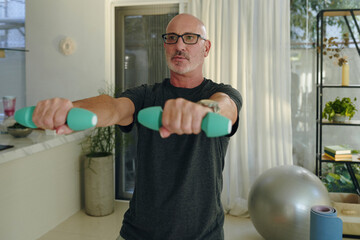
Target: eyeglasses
{"points": [[188, 38]]}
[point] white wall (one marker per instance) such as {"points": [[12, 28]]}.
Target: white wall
{"points": [[89, 23], [49, 73]]}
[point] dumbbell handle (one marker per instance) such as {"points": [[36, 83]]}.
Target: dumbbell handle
{"points": [[213, 124], [78, 119]]}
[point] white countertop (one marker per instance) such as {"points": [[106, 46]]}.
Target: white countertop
{"points": [[37, 141]]}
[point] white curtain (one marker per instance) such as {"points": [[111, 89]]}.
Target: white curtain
{"points": [[251, 51]]}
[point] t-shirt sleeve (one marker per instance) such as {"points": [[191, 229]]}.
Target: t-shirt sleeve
{"points": [[136, 95], [233, 94]]}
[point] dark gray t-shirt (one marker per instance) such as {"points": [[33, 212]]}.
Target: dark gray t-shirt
{"points": [[178, 179]]}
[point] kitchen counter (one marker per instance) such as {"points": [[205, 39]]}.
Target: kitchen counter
{"points": [[40, 182], [36, 142]]}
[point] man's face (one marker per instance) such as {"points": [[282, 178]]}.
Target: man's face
{"points": [[183, 58]]}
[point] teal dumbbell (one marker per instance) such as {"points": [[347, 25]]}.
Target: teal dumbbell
{"points": [[78, 119], [213, 124]]}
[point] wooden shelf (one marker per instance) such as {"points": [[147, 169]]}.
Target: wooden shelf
{"points": [[15, 49], [346, 123], [340, 86], [354, 160], [336, 13]]}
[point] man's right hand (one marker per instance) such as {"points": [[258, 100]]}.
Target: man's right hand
{"points": [[52, 113]]}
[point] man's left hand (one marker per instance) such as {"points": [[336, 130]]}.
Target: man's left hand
{"points": [[181, 116]]}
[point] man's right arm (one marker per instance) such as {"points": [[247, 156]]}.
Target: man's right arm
{"points": [[52, 113]]}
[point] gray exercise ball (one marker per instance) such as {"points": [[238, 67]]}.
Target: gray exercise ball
{"points": [[280, 201]]}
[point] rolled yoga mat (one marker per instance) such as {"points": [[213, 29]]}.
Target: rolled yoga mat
{"points": [[324, 224]]}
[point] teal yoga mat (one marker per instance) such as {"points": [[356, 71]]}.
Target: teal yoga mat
{"points": [[324, 224]]}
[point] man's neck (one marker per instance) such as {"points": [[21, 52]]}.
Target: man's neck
{"points": [[186, 80]]}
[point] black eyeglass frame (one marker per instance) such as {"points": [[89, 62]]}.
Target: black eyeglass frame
{"points": [[182, 37]]}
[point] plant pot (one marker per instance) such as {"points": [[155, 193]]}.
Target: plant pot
{"points": [[99, 185], [339, 118]]}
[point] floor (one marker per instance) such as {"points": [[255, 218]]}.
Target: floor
{"points": [[83, 227]]}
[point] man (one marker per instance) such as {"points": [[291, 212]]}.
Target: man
{"points": [[178, 169]]}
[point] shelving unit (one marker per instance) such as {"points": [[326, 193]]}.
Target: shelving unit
{"points": [[320, 86]]}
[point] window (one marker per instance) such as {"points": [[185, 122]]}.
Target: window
{"points": [[12, 24], [139, 59], [303, 68], [12, 55]]}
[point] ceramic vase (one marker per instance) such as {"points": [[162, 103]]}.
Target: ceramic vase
{"points": [[339, 118], [345, 74], [99, 185]]}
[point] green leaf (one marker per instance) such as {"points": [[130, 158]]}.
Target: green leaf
{"points": [[344, 180], [334, 176]]}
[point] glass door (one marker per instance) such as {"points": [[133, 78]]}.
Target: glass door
{"points": [[139, 59]]}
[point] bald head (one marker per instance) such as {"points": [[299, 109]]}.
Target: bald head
{"points": [[185, 59], [186, 23]]}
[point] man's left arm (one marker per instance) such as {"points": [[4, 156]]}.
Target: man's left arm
{"points": [[181, 116], [227, 106]]}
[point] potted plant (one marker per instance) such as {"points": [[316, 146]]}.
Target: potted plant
{"points": [[338, 110], [98, 171]]}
